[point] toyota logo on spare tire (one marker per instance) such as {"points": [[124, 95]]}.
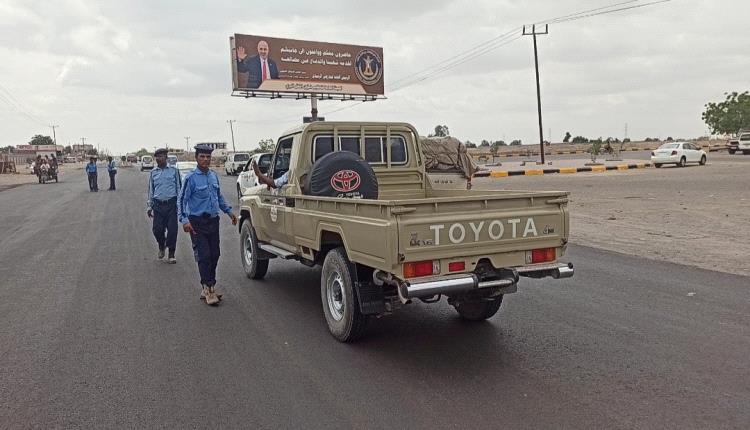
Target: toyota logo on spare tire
{"points": [[345, 181]]}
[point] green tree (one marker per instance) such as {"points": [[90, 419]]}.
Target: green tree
{"points": [[470, 144], [265, 145], [626, 140], [729, 116], [141, 152], [485, 142], [67, 150], [516, 142], [580, 139], [499, 143], [440, 131], [7, 149], [41, 140], [567, 137]]}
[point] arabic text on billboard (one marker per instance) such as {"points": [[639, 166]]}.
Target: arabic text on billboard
{"points": [[300, 66]]}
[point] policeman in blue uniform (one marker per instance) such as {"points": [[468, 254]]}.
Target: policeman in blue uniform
{"points": [[161, 203], [199, 203]]}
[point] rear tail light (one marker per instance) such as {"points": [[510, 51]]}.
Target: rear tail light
{"points": [[421, 268], [456, 266], [674, 153], [542, 255]]}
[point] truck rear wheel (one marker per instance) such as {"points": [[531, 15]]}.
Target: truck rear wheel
{"points": [[339, 296], [255, 268], [479, 310]]}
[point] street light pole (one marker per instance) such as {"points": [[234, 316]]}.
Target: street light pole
{"points": [[231, 129]]}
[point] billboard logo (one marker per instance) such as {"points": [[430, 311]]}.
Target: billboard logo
{"points": [[345, 181], [368, 66]]}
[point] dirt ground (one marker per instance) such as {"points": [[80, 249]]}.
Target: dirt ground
{"points": [[25, 176], [697, 216]]}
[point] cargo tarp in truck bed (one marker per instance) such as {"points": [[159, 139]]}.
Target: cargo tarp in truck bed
{"points": [[447, 154]]}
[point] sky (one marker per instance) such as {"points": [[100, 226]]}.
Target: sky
{"points": [[143, 73]]}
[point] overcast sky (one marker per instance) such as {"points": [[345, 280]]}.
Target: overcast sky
{"points": [[147, 73]]}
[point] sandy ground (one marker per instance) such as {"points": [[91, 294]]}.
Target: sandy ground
{"points": [[697, 216], [25, 176]]}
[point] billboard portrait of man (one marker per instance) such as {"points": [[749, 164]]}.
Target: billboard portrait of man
{"points": [[257, 68]]}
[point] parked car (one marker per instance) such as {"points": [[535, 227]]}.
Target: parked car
{"points": [[147, 162], [247, 178], [743, 142], [236, 162], [679, 154], [171, 160], [184, 167], [733, 145]]}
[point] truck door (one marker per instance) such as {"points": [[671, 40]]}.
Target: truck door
{"points": [[274, 205]]}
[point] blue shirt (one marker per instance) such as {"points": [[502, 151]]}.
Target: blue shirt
{"points": [[200, 194], [163, 184], [91, 168], [281, 180], [111, 166]]}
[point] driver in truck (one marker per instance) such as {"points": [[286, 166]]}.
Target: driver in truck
{"points": [[270, 183]]}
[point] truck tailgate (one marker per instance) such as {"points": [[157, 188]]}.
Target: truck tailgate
{"points": [[482, 225]]}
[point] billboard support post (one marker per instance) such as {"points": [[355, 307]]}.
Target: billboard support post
{"points": [[314, 107]]}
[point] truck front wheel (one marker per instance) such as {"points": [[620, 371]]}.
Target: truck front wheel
{"points": [[339, 296], [254, 267], [479, 310]]}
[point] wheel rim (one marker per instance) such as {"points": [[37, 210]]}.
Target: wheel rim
{"points": [[335, 295], [248, 250]]}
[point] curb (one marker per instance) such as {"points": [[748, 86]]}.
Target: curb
{"points": [[563, 170]]}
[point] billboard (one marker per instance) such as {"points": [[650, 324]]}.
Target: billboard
{"points": [[268, 65]]}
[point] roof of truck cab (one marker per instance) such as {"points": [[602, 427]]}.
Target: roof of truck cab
{"points": [[325, 125]]}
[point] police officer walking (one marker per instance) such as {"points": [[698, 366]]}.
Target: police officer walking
{"points": [[112, 170], [161, 203], [199, 203], [92, 174]]}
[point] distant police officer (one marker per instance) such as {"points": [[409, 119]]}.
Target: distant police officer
{"points": [[199, 203], [112, 170], [161, 203], [90, 172]]}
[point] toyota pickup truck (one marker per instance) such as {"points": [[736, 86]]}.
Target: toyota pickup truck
{"points": [[359, 204]]}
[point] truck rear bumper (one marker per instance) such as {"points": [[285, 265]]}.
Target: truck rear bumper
{"points": [[465, 283]]}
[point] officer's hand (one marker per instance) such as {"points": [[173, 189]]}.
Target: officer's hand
{"points": [[234, 219], [188, 228], [150, 213]]}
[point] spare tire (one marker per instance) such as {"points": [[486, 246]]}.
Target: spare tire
{"points": [[342, 174]]}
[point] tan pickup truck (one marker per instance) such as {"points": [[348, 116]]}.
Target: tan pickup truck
{"points": [[403, 241]]}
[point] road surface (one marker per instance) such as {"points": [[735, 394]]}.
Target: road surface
{"points": [[95, 333]]}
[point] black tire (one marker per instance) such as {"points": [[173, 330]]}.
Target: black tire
{"points": [[657, 165], [339, 297], [703, 161], [682, 162], [255, 268], [745, 152], [732, 151], [239, 193], [479, 310], [342, 174]]}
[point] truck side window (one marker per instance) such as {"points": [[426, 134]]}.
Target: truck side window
{"points": [[373, 150], [321, 146], [282, 157], [350, 144], [398, 150]]}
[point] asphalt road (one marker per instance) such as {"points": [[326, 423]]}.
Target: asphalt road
{"points": [[95, 333]]}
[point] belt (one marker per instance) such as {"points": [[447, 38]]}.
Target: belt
{"points": [[164, 202]]}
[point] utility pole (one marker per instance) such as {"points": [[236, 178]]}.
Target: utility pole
{"points": [[187, 144], [54, 136], [534, 33], [232, 130]]}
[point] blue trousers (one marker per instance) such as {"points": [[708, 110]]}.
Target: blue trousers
{"points": [[206, 247], [93, 186], [165, 218]]}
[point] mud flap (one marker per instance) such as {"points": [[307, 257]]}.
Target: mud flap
{"points": [[370, 296]]}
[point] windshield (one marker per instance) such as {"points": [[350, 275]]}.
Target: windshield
{"points": [[670, 146], [745, 137], [241, 157], [146, 159]]}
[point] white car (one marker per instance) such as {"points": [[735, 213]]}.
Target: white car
{"points": [[184, 167], [247, 178], [147, 162], [743, 142], [236, 162], [679, 154]]}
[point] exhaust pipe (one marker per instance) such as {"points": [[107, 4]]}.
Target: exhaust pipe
{"points": [[563, 272]]}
